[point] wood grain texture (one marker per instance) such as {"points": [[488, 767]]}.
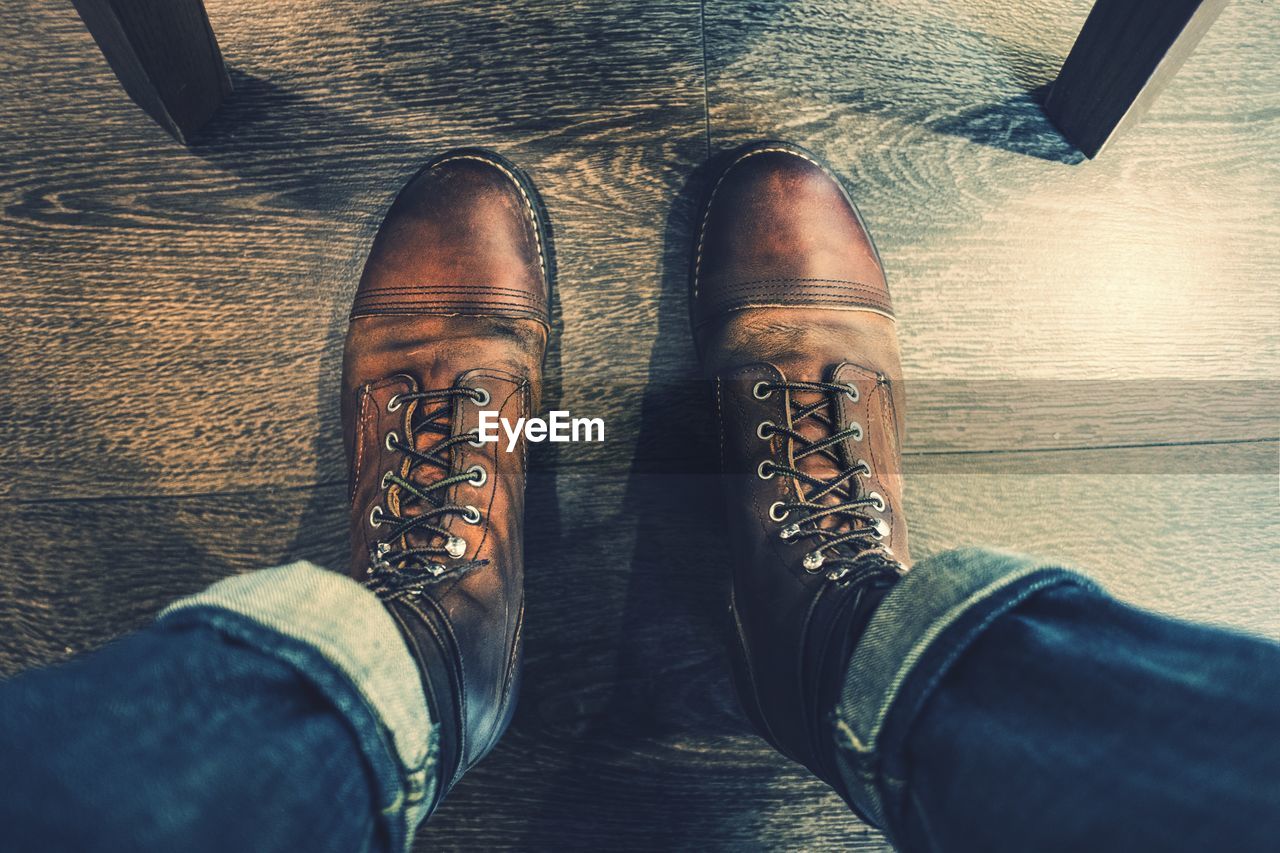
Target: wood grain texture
{"points": [[1157, 261], [219, 352], [174, 319], [1004, 266]]}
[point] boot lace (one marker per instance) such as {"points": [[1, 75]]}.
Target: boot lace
{"points": [[395, 563], [847, 547]]}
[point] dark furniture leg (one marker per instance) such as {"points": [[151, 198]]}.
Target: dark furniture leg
{"points": [[165, 55], [1126, 53]]}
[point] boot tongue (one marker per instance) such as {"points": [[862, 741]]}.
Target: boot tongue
{"points": [[825, 464], [426, 432]]}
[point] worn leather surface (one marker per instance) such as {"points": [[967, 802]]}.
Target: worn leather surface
{"points": [[777, 216], [779, 231], [461, 239], [454, 295]]}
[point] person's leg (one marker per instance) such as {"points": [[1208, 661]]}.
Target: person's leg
{"points": [[279, 710], [292, 709], [1025, 715], [1072, 721]]}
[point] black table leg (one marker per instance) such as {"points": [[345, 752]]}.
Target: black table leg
{"points": [[165, 55], [1126, 53]]}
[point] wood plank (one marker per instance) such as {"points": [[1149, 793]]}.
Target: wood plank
{"points": [[133, 454], [1192, 532], [165, 56], [628, 734], [1125, 55]]}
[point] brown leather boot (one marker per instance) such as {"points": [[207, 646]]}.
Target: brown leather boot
{"points": [[792, 319], [450, 319]]}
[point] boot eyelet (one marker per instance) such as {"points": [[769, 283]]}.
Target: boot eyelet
{"points": [[760, 472], [855, 430], [853, 393], [866, 469], [765, 425], [394, 404], [455, 547], [470, 514], [481, 396], [786, 533], [881, 528], [879, 505], [386, 480], [756, 392], [476, 442], [813, 561], [375, 516], [775, 514], [479, 476], [388, 441]]}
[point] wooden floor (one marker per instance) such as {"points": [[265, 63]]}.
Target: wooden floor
{"points": [[1092, 348]]}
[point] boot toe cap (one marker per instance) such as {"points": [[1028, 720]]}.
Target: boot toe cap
{"points": [[465, 236], [779, 230]]}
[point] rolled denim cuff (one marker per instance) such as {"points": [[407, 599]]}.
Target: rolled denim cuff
{"points": [[340, 637], [920, 628]]}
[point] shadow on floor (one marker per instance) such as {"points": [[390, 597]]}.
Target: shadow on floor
{"points": [[922, 65], [1016, 124], [262, 130]]}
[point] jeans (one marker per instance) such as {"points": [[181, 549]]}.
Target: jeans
{"points": [[992, 704], [275, 711]]}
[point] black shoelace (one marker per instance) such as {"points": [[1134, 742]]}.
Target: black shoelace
{"points": [[849, 550], [415, 565]]}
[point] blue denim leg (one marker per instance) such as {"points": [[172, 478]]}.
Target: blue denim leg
{"points": [[276, 711], [1017, 707], [1079, 723]]}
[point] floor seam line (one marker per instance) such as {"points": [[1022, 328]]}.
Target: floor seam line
{"points": [[706, 86], [1145, 445], [1227, 442]]}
